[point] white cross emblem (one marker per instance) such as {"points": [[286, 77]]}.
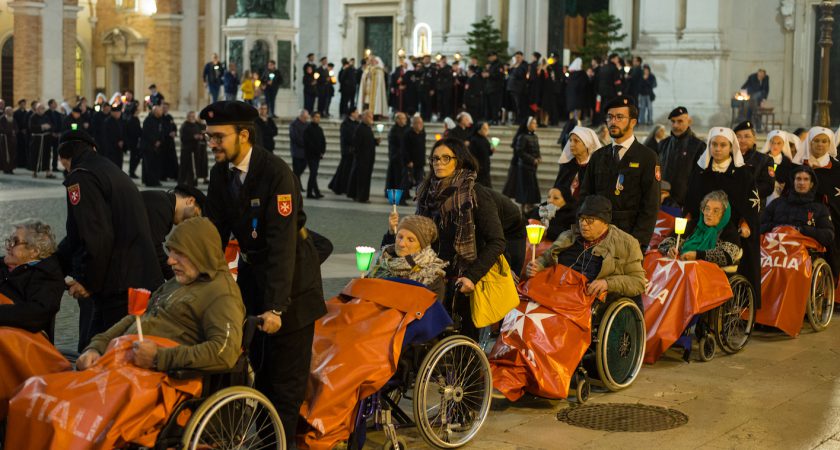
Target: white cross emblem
{"points": [[518, 319], [756, 200]]}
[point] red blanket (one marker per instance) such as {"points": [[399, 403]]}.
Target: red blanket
{"points": [[786, 269], [664, 228], [543, 340], [105, 407], [355, 352], [676, 292]]}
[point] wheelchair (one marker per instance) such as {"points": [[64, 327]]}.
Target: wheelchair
{"points": [[228, 414], [617, 349], [447, 378], [820, 304]]}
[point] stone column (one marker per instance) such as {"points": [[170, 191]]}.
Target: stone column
{"points": [[192, 88], [28, 49], [163, 64], [71, 9]]}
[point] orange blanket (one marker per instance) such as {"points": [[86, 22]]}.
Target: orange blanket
{"points": [[543, 340], [355, 352], [104, 407], [676, 292], [786, 269]]}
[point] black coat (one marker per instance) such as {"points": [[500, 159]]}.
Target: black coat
{"points": [[133, 132], [495, 81], [444, 78], [516, 78], [482, 151], [364, 156], [169, 158], [609, 82], [761, 166], [474, 95], [576, 91], [314, 142], [414, 151], [678, 156], [266, 130], [193, 163], [396, 165], [36, 291], [151, 142], [739, 186], [347, 80], [160, 208], [528, 152], [636, 206], [341, 178], [570, 177], [279, 269], [828, 192], [108, 247], [113, 140], [804, 213]]}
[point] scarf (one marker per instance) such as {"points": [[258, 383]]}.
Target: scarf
{"points": [[424, 266], [452, 199], [705, 237]]}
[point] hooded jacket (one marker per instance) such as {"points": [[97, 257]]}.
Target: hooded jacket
{"points": [[205, 317], [802, 211]]}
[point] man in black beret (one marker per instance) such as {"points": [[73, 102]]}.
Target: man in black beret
{"points": [[255, 196], [626, 172], [678, 153], [761, 164], [108, 247]]}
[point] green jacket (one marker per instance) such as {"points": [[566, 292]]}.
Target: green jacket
{"points": [[205, 317], [622, 260]]}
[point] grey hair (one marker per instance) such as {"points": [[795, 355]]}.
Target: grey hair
{"points": [[37, 235], [719, 196]]}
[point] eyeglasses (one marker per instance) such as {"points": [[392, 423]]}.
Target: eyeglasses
{"points": [[616, 118], [216, 138], [13, 242], [586, 220], [445, 159]]}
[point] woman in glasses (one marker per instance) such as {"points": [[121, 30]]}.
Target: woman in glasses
{"points": [[30, 278], [713, 237], [470, 236]]}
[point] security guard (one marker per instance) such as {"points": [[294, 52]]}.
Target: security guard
{"points": [[108, 247], [254, 196], [678, 153], [627, 173], [761, 164]]}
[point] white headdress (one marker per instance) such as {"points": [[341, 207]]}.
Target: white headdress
{"points": [[589, 138], [735, 151], [784, 136], [805, 154]]}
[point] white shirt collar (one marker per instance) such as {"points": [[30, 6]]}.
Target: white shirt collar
{"points": [[624, 145], [778, 158], [722, 167], [243, 165], [822, 161]]}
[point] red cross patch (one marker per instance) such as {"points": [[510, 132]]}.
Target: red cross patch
{"points": [[284, 204], [658, 174], [74, 193]]}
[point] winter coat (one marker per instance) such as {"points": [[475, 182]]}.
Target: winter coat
{"points": [[36, 291]]}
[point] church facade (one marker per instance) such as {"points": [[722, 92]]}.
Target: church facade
{"points": [[701, 51]]}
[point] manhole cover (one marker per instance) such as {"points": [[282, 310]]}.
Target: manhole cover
{"points": [[631, 417]]}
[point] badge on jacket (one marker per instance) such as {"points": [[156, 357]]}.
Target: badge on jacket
{"points": [[658, 174], [284, 204], [74, 193]]}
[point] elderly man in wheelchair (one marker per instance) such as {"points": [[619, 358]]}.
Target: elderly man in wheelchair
{"points": [[694, 291], [129, 388], [798, 253], [592, 260]]}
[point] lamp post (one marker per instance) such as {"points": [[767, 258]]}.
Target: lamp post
{"points": [[826, 9]]}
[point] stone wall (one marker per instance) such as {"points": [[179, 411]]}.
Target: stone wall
{"points": [[27, 47]]}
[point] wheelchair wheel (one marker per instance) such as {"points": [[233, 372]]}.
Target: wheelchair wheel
{"points": [[821, 301], [452, 392], [237, 417], [733, 321], [582, 387], [707, 348], [621, 344], [402, 444]]}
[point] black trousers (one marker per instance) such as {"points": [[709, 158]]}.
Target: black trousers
{"points": [[494, 106], [312, 183], [270, 96], [298, 166], [309, 102], [323, 103], [444, 98], [98, 313], [134, 160], [347, 100]]}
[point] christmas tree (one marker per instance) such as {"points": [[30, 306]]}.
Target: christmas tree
{"points": [[485, 38], [601, 33]]}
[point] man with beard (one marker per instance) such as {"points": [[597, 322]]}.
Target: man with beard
{"points": [[341, 178], [761, 164], [364, 147], [254, 196], [151, 143], [678, 153], [8, 142], [627, 173]]}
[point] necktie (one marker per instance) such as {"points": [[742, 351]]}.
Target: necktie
{"points": [[235, 182], [616, 153]]}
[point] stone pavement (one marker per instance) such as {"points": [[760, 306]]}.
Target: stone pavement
{"points": [[778, 393]]}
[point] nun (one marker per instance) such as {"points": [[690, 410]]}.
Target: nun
{"points": [[527, 150], [581, 144], [721, 167], [777, 147]]}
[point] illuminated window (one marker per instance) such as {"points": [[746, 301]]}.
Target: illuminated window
{"points": [[78, 70]]}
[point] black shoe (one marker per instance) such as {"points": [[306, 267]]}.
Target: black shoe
{"points": [[132, 176]]}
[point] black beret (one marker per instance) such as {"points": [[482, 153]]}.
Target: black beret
{"points": [[190, 191], [74, 135], [228, 112], [678, 111], [116, 107], [619, 102], [745, 125]]}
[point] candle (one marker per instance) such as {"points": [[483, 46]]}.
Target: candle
{"points": [[495, 141], [679, 228], [535, 235], [364, 256]]}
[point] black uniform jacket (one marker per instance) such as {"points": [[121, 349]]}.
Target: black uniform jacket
{"points": [[108, 247], [270, 207], [636, 205], [160, 207]]}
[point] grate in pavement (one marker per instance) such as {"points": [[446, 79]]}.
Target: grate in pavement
{"points": [[628, 417]]}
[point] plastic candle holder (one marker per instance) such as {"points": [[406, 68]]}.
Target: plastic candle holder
{"points": [[364, 256]]}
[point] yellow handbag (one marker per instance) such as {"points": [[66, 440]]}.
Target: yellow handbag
{"points": [[494, 295]]}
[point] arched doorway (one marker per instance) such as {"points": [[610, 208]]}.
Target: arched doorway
{"points": [[7, 71]]}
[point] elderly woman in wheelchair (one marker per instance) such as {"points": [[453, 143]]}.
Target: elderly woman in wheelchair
{"points": [[592, 260], [127, 389], [798, 250], [676, 309]]}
